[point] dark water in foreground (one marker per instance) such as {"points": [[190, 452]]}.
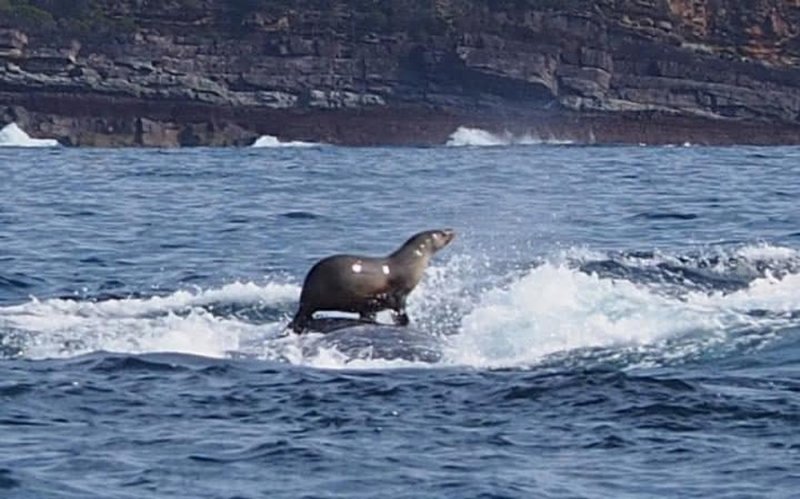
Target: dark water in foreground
{"points": [[611, 322]]}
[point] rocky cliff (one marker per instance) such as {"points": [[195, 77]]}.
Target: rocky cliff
{"points": [[213, 72]]}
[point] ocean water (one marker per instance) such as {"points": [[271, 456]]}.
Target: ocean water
{"points": [[610, 322]]}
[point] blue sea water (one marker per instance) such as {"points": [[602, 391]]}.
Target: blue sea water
{"points": [[610, 322]]}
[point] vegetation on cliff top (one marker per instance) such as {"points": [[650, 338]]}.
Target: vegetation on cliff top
{"points": [[115, 16], [71, 16], [767, 30]]}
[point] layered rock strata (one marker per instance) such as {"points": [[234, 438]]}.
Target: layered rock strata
{"points": [[203, 72]]}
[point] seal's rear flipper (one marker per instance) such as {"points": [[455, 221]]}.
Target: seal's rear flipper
{"points": [[299, 324]]}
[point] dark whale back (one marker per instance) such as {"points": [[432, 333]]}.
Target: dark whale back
{"points": [[360, 340]]}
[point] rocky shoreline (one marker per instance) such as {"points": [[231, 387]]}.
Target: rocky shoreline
{"points": [[194, 73]]}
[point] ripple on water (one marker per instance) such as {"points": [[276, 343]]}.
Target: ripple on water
{"points": [[15, 281], [620, 322], [300, 215], [7, 481], [666, 216]]}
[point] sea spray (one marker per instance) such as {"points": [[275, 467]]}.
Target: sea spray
{"points": [[12, 135], [476, 137], [484, 319], [270, 141], [208, 322]]}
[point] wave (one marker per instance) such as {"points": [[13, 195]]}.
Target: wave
{"points": [[633, 309], [202, 322], [556, 309], [270, 141], [13, 136], [465, 136]]}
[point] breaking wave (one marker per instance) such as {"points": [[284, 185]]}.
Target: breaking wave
{"points": [[630, 308], [465, 136], [555, 309], [13, 136], [269, 141], [202, 322]]}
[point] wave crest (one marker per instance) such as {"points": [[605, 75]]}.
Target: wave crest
{"points": [[270, 141], [203, 322], [13, 136], [465, 136], [638, 308]]}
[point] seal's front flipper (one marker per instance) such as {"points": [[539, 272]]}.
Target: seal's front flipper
{"points": [[401, 318]]}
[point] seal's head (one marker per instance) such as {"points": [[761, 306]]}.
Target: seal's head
{"points": [[438, 239], [428, 242]]}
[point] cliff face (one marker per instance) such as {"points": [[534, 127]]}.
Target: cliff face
{"points": [[203, 72]]}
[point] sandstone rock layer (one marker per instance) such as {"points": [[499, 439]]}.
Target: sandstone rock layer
{"points": [[203, 72]]}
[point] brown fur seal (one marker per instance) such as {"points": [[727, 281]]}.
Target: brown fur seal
{"points": [[366, 285]]}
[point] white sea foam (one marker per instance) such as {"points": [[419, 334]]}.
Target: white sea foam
{"points": [[268, 141], [555, 308], [13, 136], [777, 295], [235, 292], [465, 136], [766, 251], [292, 349], [177, 322], [490, 321]]}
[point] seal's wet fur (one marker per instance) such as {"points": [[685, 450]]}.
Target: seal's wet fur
{"points": [[366, 285]]}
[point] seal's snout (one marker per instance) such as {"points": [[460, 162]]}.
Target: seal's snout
{"points": [[449, 235], [442, 238]]}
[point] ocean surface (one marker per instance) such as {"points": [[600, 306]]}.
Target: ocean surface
{"points": [[610, 322]]}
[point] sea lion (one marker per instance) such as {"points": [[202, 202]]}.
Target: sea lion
{"points": [[366, 285]]}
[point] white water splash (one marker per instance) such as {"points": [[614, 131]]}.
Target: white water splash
{"points": [[292, 349], [174, 323], [489, 320], [776, 295], [766, 251], [13, 136], [270, 141], [465, 136], [557, 308]]}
